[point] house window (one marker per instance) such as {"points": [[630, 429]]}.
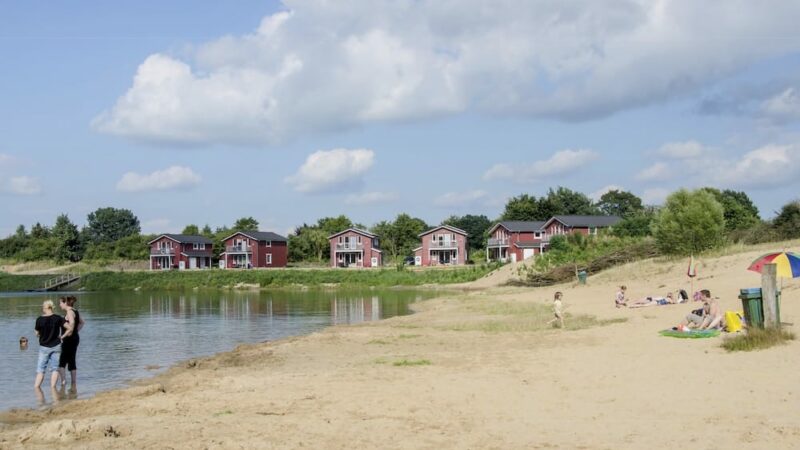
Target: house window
{"points": [[341, 239], [269, 259], [269, 243], [538, 235]]}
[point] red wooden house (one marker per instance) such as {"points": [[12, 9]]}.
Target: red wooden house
{"points": [[355, 248], [442, 246], [180, 251], [249, 249], [515, 241], [588, 225]]}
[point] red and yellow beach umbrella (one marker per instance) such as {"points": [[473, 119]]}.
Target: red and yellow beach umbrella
{"points": [[788, 264]]}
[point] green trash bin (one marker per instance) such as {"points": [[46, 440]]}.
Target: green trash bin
{"points": [[582, 277], [753, 307]]}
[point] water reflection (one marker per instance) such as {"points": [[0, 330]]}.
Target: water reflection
{"points": [[129, 334]]}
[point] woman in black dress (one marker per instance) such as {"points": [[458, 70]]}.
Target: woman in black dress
{"points": [[70, 340]]}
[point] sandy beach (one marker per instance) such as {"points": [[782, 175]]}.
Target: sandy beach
{"points": [[473, 369]]}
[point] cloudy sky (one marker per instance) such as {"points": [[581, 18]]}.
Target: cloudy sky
{"points": [[202, 112]]}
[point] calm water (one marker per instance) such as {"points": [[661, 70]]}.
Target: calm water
{"points": [[127, 334]]}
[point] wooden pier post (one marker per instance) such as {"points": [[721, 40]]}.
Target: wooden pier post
{"points": [[769, 295]]}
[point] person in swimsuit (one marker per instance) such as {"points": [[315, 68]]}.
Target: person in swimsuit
{"points": [[620, 300], [558, 310], [70, 340], [653, 301]]}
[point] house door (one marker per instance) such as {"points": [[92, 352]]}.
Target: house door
{"points": [[182, 265], [527, 253], [513, 257], [193, 263], [374, 261], [221, 263]]}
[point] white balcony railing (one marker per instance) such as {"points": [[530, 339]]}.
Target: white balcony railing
{"points": [[444, 244], [498, 242], [239, 249], [350, 246], [162, 251]]}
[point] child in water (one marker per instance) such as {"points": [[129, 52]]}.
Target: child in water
{"points": [[23, 343], [558, 310]]}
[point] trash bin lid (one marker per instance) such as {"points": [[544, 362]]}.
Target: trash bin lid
{"points": [[750, 291]]}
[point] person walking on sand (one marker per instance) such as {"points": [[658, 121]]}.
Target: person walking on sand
{"points": [[558, 310], [48, 329], [73, 323], [620, 301]]}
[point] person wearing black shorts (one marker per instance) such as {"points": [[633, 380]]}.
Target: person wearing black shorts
{"points": [[70, 340]]}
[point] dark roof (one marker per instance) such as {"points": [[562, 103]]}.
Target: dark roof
{"points": [[520, 226], [354, 230], [587, 221], [185, 239], [195, 253], [446, 227], [260, 236]]}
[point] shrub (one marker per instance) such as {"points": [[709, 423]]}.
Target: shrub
{"points": [[690, 222]]}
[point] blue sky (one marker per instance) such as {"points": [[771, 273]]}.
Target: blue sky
{"points": [[201, 112]]}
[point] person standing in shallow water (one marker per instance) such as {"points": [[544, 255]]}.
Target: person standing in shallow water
{"points": [[69, 341], [48, 329]]}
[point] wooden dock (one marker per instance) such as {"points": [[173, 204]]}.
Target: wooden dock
{"points": [[57, 283]]}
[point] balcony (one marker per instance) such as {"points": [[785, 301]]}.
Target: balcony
{"points": [[444, 244], [498, 242], [239, 249], [350, 247], [162, 252]]}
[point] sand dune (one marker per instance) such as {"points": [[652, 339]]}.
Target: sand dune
{"points": [[471, 370]]}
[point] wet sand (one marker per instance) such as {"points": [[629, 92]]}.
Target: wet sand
{"points": [[470, 370]]}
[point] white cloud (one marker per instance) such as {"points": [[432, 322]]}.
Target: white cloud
{"points": [[655, 196], [332, 170], [461, 199], [370, 198], [767, 166], [330, 65], [682, 150], [175, 177], [24, 185], [6, 159], [657, 172], [595, 196], [562, 162], [784, 106]]}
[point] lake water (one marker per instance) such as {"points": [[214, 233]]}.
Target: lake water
{"points": [[128, 334]]}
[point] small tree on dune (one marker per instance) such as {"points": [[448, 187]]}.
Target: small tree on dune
{"points": [[690, 222]]}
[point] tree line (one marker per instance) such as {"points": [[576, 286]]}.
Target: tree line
{"points": [[689, 221]]}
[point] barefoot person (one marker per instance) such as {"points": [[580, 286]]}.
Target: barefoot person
{"points": [[558, 310], [620, 300], [69, 341], [48, 329], [653, 301]]}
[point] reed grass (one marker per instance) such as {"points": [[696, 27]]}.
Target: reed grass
{"points": [[757, 339]]}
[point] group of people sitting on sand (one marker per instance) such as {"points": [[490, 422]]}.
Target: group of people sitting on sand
{"points": [[680, 296], [708, 317]]}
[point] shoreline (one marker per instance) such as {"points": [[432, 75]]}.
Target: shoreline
{"points": [[471, 369]]}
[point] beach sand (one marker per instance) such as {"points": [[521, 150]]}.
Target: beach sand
{"points": [[469, 370]]}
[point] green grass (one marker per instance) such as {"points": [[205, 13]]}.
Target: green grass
{"points": [[174, 280], [378, 342], [16, 283], [525, 317], [411, 362], [757, 339], [408, 336]]}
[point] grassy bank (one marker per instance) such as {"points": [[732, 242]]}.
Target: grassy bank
{"points": [[174, 280], [14, 283]]}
